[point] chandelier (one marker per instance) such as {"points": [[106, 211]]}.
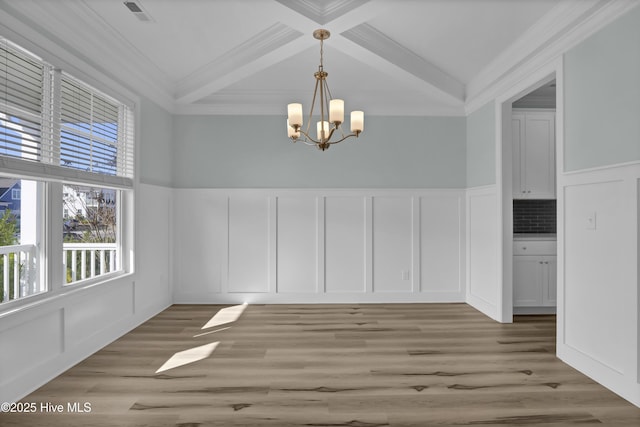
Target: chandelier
{"points": [[331, 112]]}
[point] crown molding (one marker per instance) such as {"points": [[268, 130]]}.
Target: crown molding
{"points": [[568, 24]]}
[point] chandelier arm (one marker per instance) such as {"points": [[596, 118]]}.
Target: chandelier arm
{"points": [[330, 134], [308, 138], [318, 142], [313, 103], [321, 81], [327, 98], [356, 134], [310, 144]]}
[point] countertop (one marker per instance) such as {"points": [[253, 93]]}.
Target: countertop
{"points": [[532, 236]]}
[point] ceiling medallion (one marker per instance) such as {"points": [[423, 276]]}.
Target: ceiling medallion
{"points": [[331, 109]]}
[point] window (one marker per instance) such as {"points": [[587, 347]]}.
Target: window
{"points": [[91, 232], [63, 138], [19, 242]]}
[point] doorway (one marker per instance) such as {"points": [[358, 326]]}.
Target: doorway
{"points": [[541, 91]]}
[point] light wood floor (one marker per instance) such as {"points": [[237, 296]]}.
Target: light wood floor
{"points": [[376, 365]]}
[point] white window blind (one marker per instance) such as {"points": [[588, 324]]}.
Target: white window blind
{"points": [[21, 103], [55, 126], [88, 129]]}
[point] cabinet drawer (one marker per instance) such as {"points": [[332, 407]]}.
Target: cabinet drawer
{"points": [[534, 247]]}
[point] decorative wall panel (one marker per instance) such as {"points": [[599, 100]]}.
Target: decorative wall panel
{"points": [[297, 258], [320, 245]]}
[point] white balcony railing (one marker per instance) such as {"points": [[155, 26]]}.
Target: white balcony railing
{"points": [[87, 260], [18, 265]]}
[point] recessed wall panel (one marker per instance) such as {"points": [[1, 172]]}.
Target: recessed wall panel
{"points": [[599, 290], [344, 244], [30, 344], [482, 241], [392, 242], [84, 318], [200, 241], [297, 258], [440, 244], [248, 244], [154, 246]]}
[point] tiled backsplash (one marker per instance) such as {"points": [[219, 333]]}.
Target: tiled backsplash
{"points": [[534, 216]]}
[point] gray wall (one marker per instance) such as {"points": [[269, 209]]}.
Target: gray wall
{"points": [[481, 146], [254, 152], [602, 97], [155, 131]]}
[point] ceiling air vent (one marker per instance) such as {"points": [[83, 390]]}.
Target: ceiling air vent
{"points": [[138, 11]]}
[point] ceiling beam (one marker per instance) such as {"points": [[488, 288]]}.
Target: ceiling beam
{"points": [[279, 41], [401, 59], [385, 66]]}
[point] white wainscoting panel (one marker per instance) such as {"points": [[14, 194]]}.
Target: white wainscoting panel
{"points": [[153, 247], [27, 345], [441, 244], [392, 244], [83, 321], [318, 245], [345, 244], [249, 244], [297, 245], [200, 236], [598, 292], [484, 283], [596, 271]]}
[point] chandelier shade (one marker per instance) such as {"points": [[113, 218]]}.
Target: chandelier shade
{"points": [[329, 112]]}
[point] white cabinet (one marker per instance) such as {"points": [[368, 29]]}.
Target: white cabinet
{"points": [[534, 281], [534, 275], [533, 141]]}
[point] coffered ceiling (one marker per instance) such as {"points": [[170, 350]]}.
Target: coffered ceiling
{"points": [[392, 57]]}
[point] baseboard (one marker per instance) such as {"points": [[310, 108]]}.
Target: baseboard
{"points": [[318, 298]]}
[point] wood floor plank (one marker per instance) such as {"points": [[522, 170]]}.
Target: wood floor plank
{"points": [[394, 365]]}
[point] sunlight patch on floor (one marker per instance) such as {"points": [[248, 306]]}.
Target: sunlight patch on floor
{"points": [[226, 315], [222, 317], [186, 357]]}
